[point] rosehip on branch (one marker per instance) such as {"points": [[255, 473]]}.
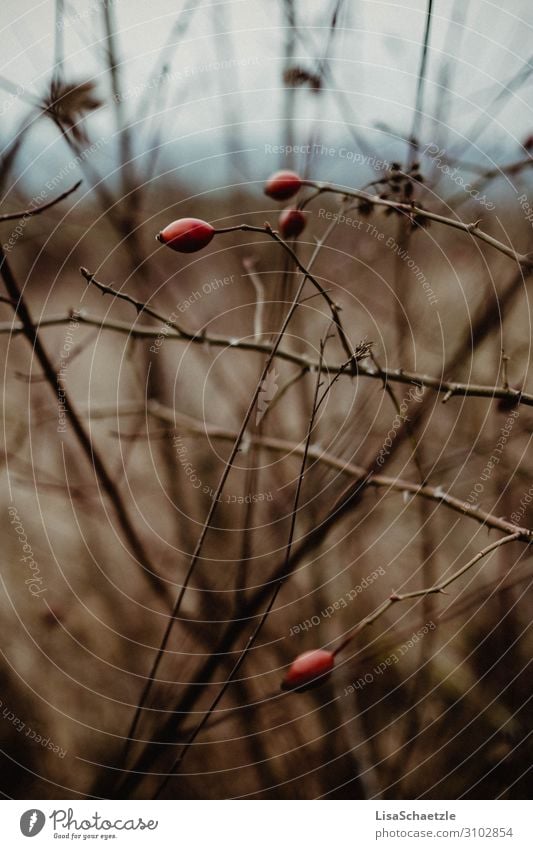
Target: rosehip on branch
{"points": [[283, 185], [186, 235], [291, 223], [308, 670]]}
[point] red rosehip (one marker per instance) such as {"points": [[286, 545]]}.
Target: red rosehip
{"points": [[186, 235], [308, 670], [291, 223], [283, 185]]}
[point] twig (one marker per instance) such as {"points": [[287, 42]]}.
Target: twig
{"points": [[488, 314], [449, 388], [333, 307], [505, 89], [275, 592], [214, 501], [93, 456], [249, 266], [437, 588], [29, 213], [284, 446]]}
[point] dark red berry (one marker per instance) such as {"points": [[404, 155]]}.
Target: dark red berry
{"points": [[283, 185], [291, 223], [187, 235], [308, 670]]}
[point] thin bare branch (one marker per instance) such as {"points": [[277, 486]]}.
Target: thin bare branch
{"points": [[414, 212], [285, 446], [448, 388]]}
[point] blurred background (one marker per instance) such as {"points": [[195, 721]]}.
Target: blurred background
{"points": [[165, 111]]}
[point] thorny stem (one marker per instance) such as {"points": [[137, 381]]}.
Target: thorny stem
{"points": [[437, 588]]}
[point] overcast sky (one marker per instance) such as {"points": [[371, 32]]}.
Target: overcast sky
{"points": [[224, 71]]}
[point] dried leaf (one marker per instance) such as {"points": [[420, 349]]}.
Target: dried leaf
{"points": [[69, 103]]}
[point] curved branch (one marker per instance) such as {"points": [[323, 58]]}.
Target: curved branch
{"points": [[431, 493], [414, 213], [437, 588], [449, 388]]}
